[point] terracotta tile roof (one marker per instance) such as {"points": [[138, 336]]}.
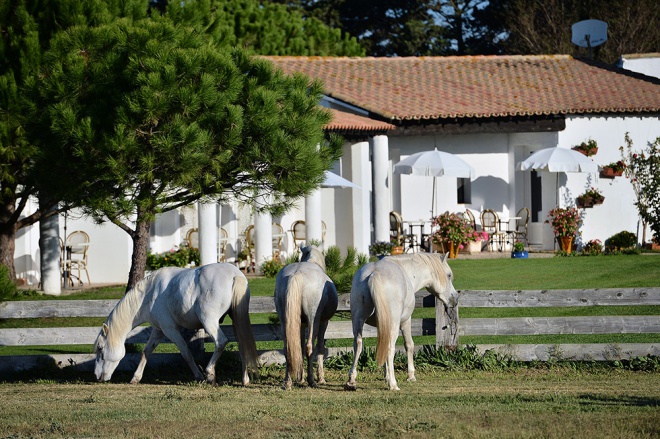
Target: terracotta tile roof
{"points": [[348, 122], [417, 88]]}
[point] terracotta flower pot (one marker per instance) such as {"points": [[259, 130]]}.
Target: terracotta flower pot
{"points": [[608, 172], [565, 243], [397, 250]]}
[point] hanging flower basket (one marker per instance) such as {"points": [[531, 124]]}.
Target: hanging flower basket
{"points": [[590, 198], [587, 148], [614, 169]]}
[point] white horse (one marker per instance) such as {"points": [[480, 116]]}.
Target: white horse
{"points": [[175, 298], [383, 295], [304, 292]]}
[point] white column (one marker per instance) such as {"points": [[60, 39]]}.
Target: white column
{"points": [[361, 199], [229, 222], [381, 195], [313, 226], [263, 239], [49, 242], [208, 233]]}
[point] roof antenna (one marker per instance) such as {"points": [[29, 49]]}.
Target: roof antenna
{"points": [[589, 34]]}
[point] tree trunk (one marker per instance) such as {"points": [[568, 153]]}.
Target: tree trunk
{"points": [[139, 258], [8, 235], [7, 248]]}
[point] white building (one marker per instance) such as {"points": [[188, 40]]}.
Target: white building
{"points": [[492, 111]]}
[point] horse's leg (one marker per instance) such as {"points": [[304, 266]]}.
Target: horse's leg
{"points": [[357, 351], [175, 336], [320, 347], [313, 329], [288, 381], [389, 364], [155, 338], [406, 329], [220, 340]]}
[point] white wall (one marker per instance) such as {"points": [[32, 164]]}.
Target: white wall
{"points": [[618, 212]]}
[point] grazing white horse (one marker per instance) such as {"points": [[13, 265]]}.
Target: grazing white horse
{"points": [[175, 298], [383, 295], [303, 292]]}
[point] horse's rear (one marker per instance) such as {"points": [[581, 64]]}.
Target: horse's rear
{"points": [[379, 297], [303, 292]]}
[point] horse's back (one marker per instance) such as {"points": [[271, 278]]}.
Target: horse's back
{"points": [[317, 288]]}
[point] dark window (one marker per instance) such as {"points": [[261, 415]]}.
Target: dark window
{"points": [[464, 191], [536, 196]]}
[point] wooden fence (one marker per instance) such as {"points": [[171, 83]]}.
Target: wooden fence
{"points": [[444, 331]]}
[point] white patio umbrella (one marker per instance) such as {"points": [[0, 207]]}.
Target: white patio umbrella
{"points": [[334, 180], [558, 160], [436, 164]]}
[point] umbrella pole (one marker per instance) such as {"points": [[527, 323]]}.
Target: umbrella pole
{"points": [[433, 200]]}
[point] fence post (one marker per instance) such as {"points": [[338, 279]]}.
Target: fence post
{"points": [[446, 325]]}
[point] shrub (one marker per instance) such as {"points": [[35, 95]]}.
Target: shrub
{"points": [[177, 257], [7, 286], [621, 241], [271, 267], [341, 271]]}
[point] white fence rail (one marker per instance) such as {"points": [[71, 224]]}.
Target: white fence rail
{"points": [[342, 329]]}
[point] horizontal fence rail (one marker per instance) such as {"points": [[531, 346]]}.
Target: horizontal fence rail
{"points": [[342, 329]]}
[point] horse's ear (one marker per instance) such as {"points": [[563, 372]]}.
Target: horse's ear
{"points": [[445, 256], [105, 329]]}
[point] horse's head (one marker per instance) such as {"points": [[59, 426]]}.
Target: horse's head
{"points": [[442, 285], [312, 253], [108, 355]]}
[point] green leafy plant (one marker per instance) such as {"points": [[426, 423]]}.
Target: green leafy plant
{"points": [[179, 256], [620, 242], [7, 286], [592, 248], [594, 194], [518, 246], [271, 267], [341, 270], [381, 248]]}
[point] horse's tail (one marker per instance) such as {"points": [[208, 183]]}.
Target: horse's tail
{"points": [[292, 312], [383, 317], [241, 321]]}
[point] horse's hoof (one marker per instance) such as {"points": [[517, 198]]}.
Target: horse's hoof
{"points": [[411, 379], [321, 381], [134, 381], [395, 388], [350, 386]]}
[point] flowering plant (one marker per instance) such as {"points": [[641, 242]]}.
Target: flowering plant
{"points": [[178, 256], [619, 166], [564, 221], [479, 236], [588, 148], [593, 247], [594, 194], [452, 227]]}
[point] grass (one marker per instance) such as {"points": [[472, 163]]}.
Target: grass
{"points": [[524, 403]]}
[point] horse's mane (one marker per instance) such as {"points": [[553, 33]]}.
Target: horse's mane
{"points": [[124, 312], [434, 261]]}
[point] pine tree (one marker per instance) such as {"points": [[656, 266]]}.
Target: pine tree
{"points": [[153, 116]]}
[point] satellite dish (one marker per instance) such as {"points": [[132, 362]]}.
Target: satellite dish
{"points": [[589, 33]]}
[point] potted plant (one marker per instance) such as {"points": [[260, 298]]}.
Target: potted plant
{"points": [[479, 238], [614, 169], [380, 249], [565, 222], [590, 198], [588, 148], [519, 251], [451, 231]]}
